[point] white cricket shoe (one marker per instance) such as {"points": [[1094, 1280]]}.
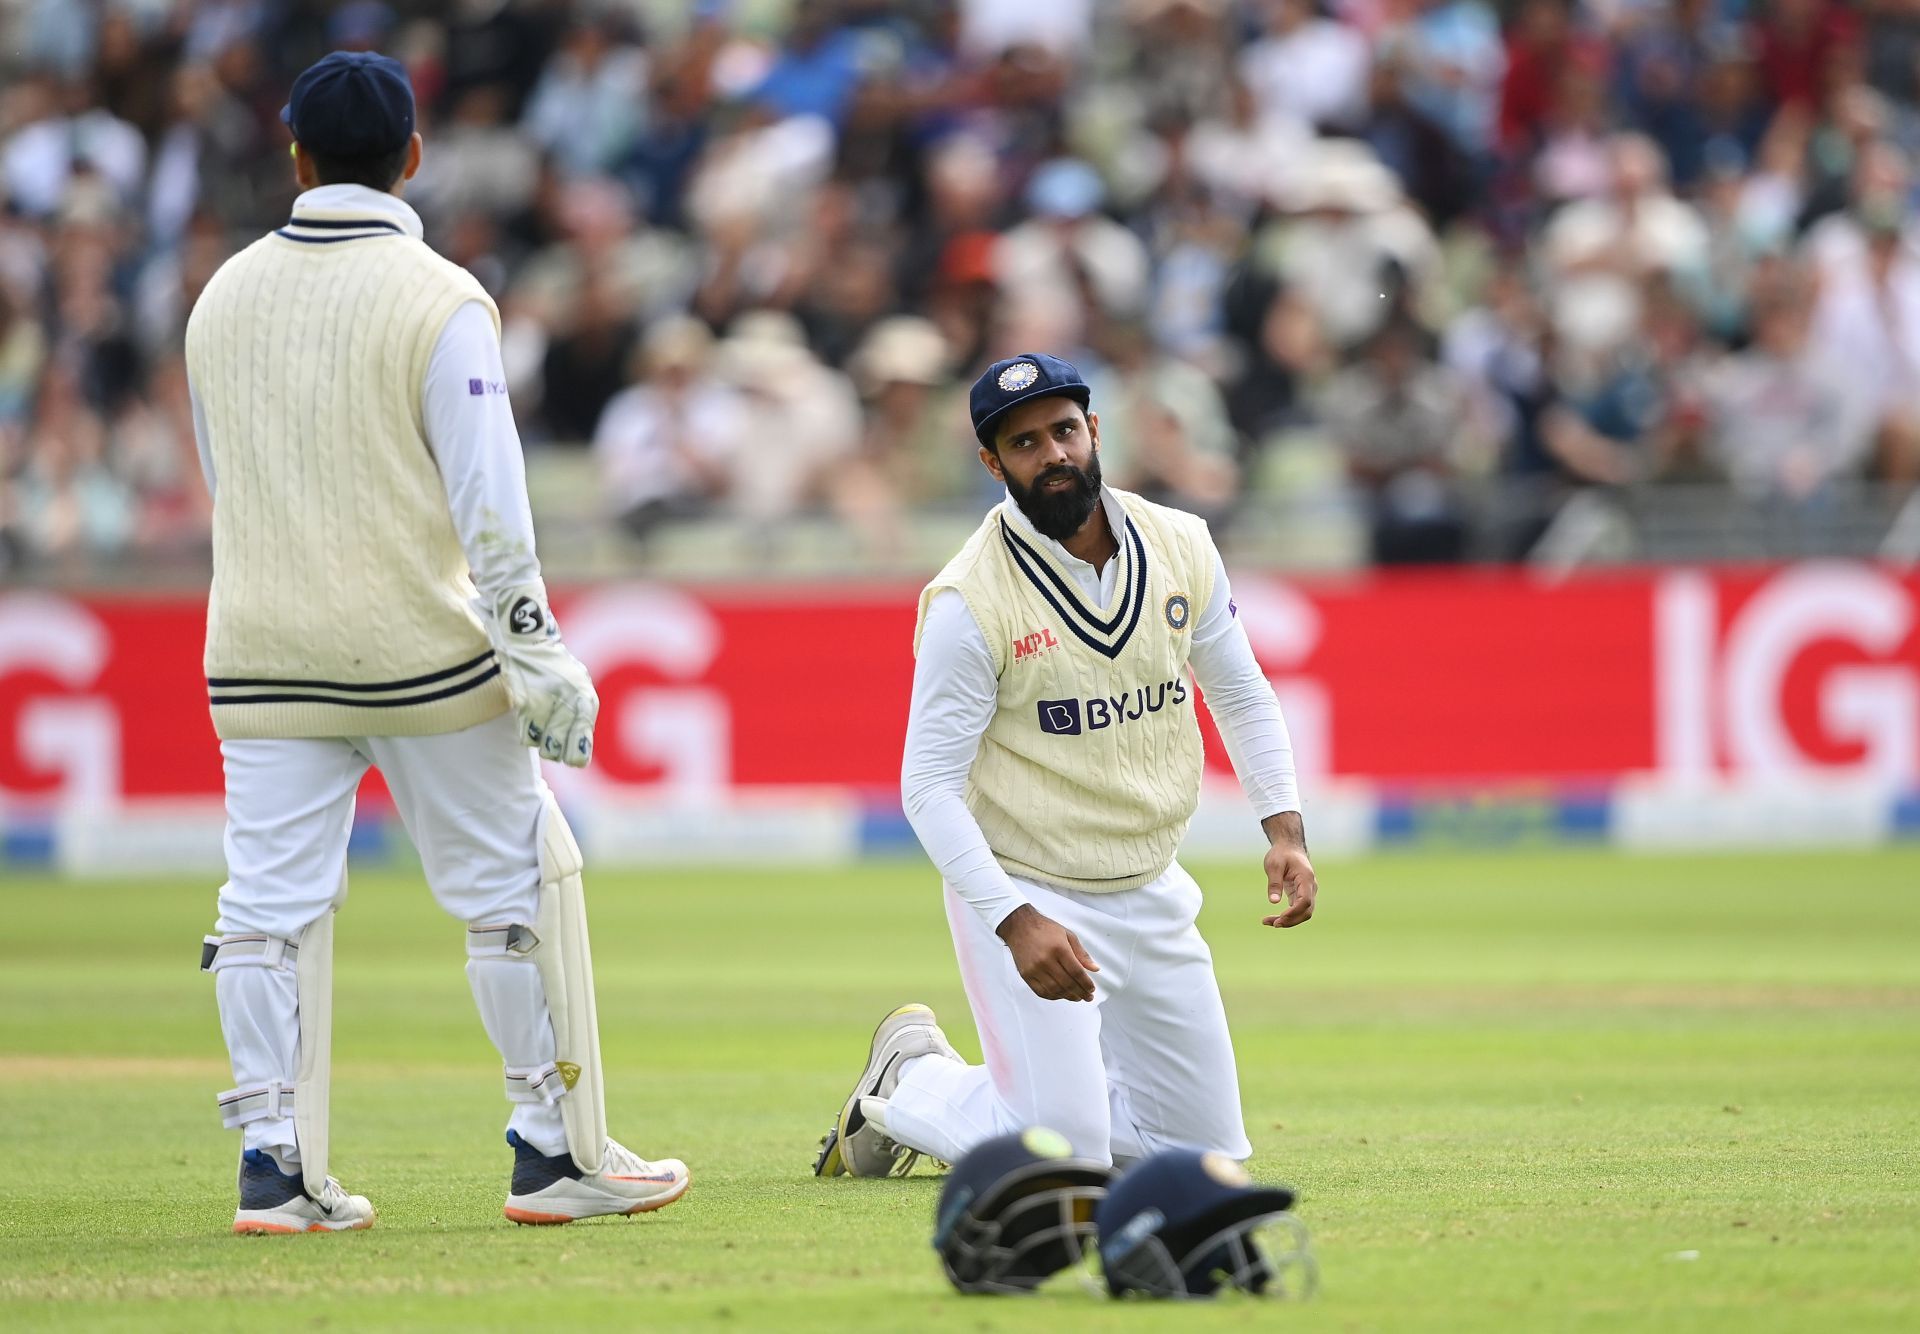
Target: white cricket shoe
{"points": [[554, 1189], [275, 1201], [858, 1144]]}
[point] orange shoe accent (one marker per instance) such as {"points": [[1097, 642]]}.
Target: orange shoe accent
{"points": [[261, 1229], [533, 1218]]}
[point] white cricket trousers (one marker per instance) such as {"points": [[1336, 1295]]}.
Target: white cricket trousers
{"points": [[1146, 1065], [471, 801]]}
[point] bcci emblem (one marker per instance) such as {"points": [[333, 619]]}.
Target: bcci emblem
{"points": [[1179, 611], [1018, 376]]}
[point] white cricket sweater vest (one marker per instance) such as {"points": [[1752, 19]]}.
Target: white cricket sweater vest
{"points": [[340, 602], [1090, 769]]}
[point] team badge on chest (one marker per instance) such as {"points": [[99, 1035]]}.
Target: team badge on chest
{"points": [[1179, 612]]}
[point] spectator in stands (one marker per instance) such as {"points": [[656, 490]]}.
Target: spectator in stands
{"points": [[64, 135], [69, 504], [1430, 166], [667, 446], [1404, 426], [1600, 253], [1799, 43], [1350, 246], [1633, 415], [1453, 60], [1069, 263], [1307, 67], [912, 451], [586, 363], [1778, 417], [1866, 319], [1164, 430], [802, 420], [589, 108]]}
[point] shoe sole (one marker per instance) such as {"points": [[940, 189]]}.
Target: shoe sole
{"points": [[539, 1218], [259, 1228], [831, 1162]]}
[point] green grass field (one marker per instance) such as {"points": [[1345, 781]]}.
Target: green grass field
{"points": [[1528, 1091]]}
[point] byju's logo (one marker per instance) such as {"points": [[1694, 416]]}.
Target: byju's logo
{"points": [[1071, 717], [1060, 717]]}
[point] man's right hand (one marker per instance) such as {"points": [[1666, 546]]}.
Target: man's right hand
{"points": [[1048, 955], [549, 689]]}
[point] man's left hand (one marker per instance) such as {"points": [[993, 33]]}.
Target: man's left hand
{"points": [[1290, 876]]}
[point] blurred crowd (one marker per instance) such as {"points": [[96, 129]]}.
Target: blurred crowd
{"points": [[749, 254]]}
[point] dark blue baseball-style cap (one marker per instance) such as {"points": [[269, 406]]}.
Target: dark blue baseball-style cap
{"points": [[1007, 384], [351, 104]]}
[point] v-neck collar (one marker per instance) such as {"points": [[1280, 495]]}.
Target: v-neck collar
{"points": [[1047, 566]]}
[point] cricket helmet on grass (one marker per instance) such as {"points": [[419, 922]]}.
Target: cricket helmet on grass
{"points": [[1189, 1224], [1016, 1210]]}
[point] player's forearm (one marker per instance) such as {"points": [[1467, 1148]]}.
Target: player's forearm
{"points": [[1259, 747], [471, 431], [954, 696], [1242, 702], [958, 850]]}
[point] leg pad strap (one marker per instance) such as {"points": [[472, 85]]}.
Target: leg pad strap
{"points": [[251, 949], [268, 1103], [543, 1084], [501, 940]]}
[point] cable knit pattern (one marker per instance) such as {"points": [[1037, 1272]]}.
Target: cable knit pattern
{"points": [[340, 602], [1090, 770]]}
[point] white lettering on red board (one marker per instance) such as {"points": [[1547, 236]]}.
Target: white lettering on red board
{"points": [[1721, 695], [671, 733], [72, 739]]}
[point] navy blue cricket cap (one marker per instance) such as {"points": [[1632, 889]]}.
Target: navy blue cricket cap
{"points": [[351, 104], [1007, 384]]}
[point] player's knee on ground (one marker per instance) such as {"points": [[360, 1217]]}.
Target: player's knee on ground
{"points": [[1084, 1121]]}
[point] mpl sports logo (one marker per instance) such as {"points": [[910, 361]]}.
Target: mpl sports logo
{"points": [[1028, 647], [1072, 717]]}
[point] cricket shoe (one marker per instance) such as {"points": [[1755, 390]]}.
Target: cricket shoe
{"points": [[554, 1189], [276, 1201], [858, 1144]]}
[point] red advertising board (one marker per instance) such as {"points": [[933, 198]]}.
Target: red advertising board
{"points": [[1493, 676]]}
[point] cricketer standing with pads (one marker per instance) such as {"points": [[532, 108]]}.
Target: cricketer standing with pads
{"points": [[377, 601], [1053, 760]]}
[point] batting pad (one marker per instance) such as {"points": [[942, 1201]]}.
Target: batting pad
{"points": [[313, 1078], [566, 969]]}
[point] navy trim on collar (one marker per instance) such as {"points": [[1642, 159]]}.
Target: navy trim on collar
{"points": [[1073, 612], [1092, 615], [344, 224], [361, 228]]}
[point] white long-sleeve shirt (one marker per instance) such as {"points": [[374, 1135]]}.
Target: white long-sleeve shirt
{"points": [[472, 435], [955, 693]]}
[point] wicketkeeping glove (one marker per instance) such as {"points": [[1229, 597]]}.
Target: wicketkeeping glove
{"points": [[550, 691]]}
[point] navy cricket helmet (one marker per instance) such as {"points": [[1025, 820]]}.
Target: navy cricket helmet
{"points": [[1016, 1210], [1187, 1224]]}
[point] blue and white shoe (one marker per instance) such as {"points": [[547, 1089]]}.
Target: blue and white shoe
{"points": [[553, 1189], [275, 1201]]}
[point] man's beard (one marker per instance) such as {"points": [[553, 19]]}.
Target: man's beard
{"points": [[1059, 514]]}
